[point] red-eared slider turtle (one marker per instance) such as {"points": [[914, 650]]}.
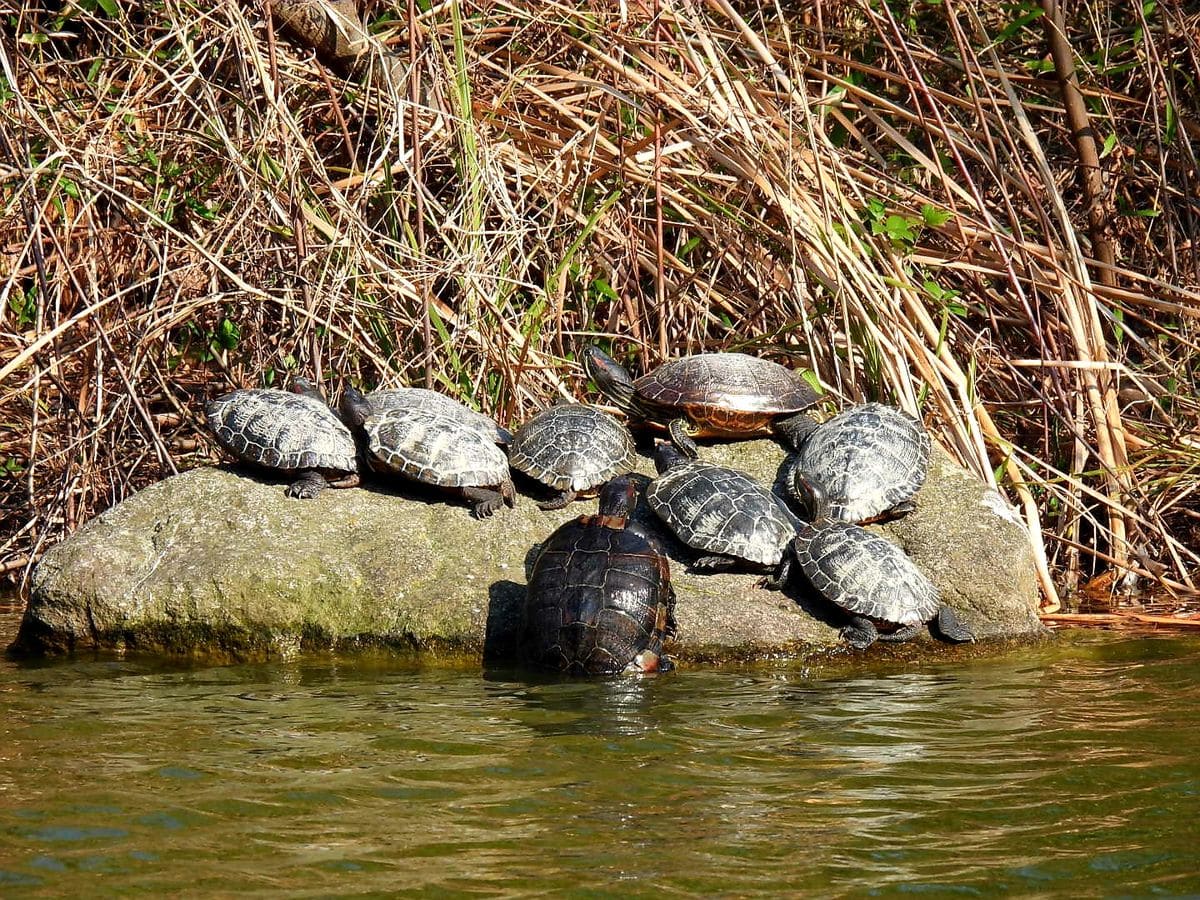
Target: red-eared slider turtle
{"points": [[425, 400], [430, 445], [723, 512], [870, 460], [708, 395], [887, 596], [600, 599], [572, 448], [293, 432]]}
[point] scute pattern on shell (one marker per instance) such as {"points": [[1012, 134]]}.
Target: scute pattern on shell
{"points": [[597, 597], [410, 398], [281, 430], [728, 381], [865, 574], [435, 447], [866, 459], [573, 446], [722, 511]]}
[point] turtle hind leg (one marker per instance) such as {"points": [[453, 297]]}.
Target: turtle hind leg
{"points": [[906, 633], [795, 430], [563, 498], [308, 485], [951, 628], [861, 633], [678, 430], [486, 500]]}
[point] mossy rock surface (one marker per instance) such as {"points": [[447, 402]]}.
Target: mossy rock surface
{"points": [[218, 563]]}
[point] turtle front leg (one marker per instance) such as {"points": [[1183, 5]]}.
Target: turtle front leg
{"points": [[861, 633], [777, 578], [308, 485], [563, 498], [952, 628], [678, 430]]}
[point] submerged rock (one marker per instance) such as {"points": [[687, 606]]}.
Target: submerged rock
{"points": [[216, 563]]}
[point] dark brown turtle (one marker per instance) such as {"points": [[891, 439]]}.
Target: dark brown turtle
{"points": [[292, 432], [429, 444], [708, 395], [887, 597], [572, 448], [600, 599]]}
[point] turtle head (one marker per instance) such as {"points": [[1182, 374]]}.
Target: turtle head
{"points": [[618, 497], [306, 387], [667, 456], [354, 407], [812, 497], [610, 376]]}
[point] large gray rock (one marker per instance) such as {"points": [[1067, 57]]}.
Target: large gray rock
{"points": [[216, 563]]}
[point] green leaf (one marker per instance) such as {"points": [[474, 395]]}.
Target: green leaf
{"points": [[1109, 143], [933, 217], [228, 334]]}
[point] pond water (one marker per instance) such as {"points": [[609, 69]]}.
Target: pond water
{"points": [[1062, 770]]}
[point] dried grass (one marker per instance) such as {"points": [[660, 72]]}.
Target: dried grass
{"points": [[192, 202]]}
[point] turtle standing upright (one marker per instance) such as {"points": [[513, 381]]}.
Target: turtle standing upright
{"points": [[600, 599], [886, 596], [723, 512], [707, 395], [572, 448], [430, 444], [870, 461], [292, 432]]}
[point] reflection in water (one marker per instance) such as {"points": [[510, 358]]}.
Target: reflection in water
{"points": [[1035, 774]]}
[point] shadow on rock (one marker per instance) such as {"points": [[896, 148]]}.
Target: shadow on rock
{"points": [[505, 619]]}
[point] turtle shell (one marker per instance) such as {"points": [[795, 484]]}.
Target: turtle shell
{"points": [[865, 574], [432, 445], [281, 430], [598, 596], [571, 446], [866, 459], [723, 511], [724, 394], [402, 399]]}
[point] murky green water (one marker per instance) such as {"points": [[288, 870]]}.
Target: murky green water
{"points": [[1064, 771]]}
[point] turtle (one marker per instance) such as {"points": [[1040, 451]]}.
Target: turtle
{"points": [[707, 395], [572, 448], [429, 444], [870, 460], [886, 596], [725, 513], [600, 600], [293, 432], [426, 399]]}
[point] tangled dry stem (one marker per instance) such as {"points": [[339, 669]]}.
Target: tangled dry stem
{"points": [[463, 197]]}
